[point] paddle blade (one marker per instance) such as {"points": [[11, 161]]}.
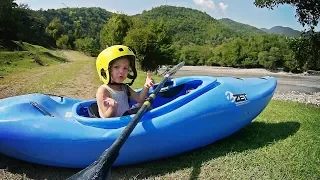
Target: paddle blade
{"points": [[98, 170], [173, 70], [91, 172]]}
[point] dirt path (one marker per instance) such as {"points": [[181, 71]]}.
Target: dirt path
{"points": [[84, 82], [80, 81]]}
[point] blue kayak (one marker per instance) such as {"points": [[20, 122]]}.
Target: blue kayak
{"points": [[188, 113]]}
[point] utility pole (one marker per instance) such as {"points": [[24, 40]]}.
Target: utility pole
{"points": [[65, 5]]}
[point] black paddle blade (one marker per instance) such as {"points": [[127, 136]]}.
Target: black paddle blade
{"points": [[99, 170], [175, 69], [92, 172]]}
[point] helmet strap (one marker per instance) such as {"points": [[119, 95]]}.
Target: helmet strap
{"points": [[114, 83]]}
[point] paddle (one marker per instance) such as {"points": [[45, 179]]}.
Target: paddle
{"points": [[100, 169]]}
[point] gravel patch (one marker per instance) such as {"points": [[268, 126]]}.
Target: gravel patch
{"points": [[301, 87], [306, 98]]}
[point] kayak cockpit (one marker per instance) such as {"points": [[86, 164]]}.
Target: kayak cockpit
{"points": [[174, 94]]}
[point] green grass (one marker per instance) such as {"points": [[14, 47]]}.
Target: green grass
{"points": [[281, 143], [77, 77], [27, 57]]}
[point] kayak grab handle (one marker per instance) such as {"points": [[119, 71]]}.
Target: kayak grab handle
{"points": [[40, 108], [55, 95]]}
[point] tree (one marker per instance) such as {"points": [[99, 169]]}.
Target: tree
{"points": [[314, 63], [88, 45], [115, 30], [30, 24], [302, 52], [7, 19], [55, 28], [197, 55], [144, 44], [307, 11], [62, 42], [152, 45]]}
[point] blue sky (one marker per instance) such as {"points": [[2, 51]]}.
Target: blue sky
{"points": [[242, 11]]}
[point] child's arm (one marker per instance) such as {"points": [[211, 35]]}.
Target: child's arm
{"points": [[106, 104], [139, 98]]}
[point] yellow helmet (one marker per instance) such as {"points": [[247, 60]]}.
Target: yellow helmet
{"points": [[104, 59]]}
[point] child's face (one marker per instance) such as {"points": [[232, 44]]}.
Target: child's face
{"points": [[119, 70]]}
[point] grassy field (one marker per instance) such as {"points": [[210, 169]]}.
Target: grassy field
{"points": [[27, 57], [281, 143], [68, 73]]}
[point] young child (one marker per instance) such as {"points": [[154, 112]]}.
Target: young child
{"points": [[114, 65]]}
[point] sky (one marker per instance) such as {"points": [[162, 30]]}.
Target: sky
{"points": [[243, 11]]}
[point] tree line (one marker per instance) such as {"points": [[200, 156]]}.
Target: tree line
{"points": [[163, 35]]}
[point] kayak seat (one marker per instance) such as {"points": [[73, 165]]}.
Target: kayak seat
{"points": [[171, 92], [93, 110]]}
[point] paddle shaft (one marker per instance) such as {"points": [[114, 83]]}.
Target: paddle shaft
{"points": [[113, 152]]}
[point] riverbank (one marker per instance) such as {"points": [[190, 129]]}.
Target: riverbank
{"points": [[303, 87], [252, 71]]}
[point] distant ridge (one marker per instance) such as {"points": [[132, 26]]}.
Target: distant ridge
{"points": [[286, 31], [240, 27]]}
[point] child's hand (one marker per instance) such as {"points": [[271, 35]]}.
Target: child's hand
{"points": [[149, 81], [109, 102]]}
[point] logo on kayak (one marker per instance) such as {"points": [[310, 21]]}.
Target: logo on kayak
{"points": [[236, 98]]}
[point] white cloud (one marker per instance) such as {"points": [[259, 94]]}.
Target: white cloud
{"points": [[205, 3], [223, 6]]}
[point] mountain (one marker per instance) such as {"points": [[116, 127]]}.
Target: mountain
{"points": [[188, 25], [286, 31], [241, 28], [197, 37]]}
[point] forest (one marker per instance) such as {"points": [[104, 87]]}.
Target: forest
{"points": [[163, 35]]}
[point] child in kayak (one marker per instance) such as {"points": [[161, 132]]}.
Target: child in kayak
{"points": [[114, 65]]}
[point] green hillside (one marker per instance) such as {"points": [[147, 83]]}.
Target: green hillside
{"points": [[243, 29], [162, 35], [189, 25], [79, 22]]}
